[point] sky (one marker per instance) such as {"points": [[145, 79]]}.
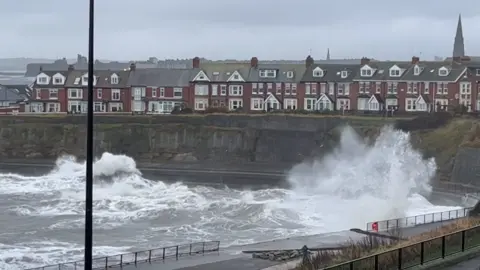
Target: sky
{"points": [[216, 29]]}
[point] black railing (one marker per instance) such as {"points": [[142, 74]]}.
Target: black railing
{"points": [[385, 225], [421, 253], [158, 254]]}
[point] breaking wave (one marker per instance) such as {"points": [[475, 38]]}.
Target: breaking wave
{"points": [[355, 184]]}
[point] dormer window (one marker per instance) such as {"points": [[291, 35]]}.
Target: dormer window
{"points": [[366, 72], [317, 72], [58, 80], [344, 74], [42, 80], [416, 70], [268, 73], [289, 74], [395, 71], [442, 71], [478, 72], [114, 79], [84, 80]]}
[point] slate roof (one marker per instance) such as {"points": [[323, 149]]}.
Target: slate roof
{"points": [[282, 71], [332, 72], [103, 78], [22, 89], [382, 71], [220, 72], [429, 72], [13, 95], [50, 84], [160, 77]]}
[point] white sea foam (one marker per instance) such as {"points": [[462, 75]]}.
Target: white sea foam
{"points": [[355, 184]]}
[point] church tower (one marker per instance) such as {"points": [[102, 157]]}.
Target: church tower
{"points": [[458, 45]]}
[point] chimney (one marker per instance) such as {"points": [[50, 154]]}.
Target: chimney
{"points": [[133, 66], [364, 61], [465, 59], [71, 67], [41, 68], [254, 62], [415, 60], [457, 59], [309, 61], [196, 62]]}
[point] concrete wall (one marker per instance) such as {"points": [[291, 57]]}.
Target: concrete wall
{"points": [[466, 169], [225, 138]]}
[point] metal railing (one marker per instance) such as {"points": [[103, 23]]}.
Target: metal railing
{"points": [[434, 249], [385, 225], [457, 188], [158, 254]]}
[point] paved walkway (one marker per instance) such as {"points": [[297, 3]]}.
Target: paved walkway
{"points": [[233, 259], [473, 264]]}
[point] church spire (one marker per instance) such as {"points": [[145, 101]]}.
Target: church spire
{"points": [[328, 54], [458, 45]]}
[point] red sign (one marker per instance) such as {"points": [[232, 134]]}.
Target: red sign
{"points": [[375, 226]]}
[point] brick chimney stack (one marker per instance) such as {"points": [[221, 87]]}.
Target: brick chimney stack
{"points": [[415, 60], [196, 62], [365, 61], [133, 66], [309, 61], [254, 62]]}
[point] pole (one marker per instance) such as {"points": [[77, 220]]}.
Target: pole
{"points": [[89, 162]]}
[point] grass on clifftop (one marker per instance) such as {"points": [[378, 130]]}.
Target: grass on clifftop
{"points": [[375, 245]]}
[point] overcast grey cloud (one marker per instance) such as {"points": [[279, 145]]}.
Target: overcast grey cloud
{"points": [[215, 29]]}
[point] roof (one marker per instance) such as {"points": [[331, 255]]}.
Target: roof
{"points": [[50, 74], [160, 77], [282, 73], [221, 72], [332, 72], [103, 78], [8, 94]]}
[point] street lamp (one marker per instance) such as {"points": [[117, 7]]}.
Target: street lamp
{"points": [[89, 161]]}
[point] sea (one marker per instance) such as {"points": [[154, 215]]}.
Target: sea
{"points": [[42, 217]]}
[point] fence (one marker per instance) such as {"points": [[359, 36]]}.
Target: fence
{"points": [[386, 225], [456, 188], [417, 254], [158, 254]]}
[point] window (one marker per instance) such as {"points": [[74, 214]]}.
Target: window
{"points": [[99, 93], [289, 74], [392, 88], [254, 88], [260, 88], [309, 104], [465, 88], [236, 90], [445, 88], [215, 89], [201, 89], [42, 80], [114, 79], [53, 107], [77, 106], [58, 80], [278, 88], [235, 104], [409, 88], [236, 77], [344, 74], [269, 86], [373, 105], [340, 89], [411, 106], [318, 73], [343, 104], [478, 72], [162, 92], [366, 72], [415, 88], [290, 104], [287, 89], [115, 94], [443, 72], [394, 72], [38, 93], [223, 89], [177, 92], [201, 104], [75, 93], [426, 86], [99, 107], [257, 104], [266, 73], [416, 71], [116, 106], [53, 94], [85, 80], [294, 89], [154, 92], [308, 88]]}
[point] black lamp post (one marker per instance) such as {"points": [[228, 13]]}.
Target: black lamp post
{"points": [[89, 161]]}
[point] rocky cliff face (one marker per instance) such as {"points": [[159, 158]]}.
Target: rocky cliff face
{"points": [[234, 138]]}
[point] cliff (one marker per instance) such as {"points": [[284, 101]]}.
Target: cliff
{"points": [[234, 138]]}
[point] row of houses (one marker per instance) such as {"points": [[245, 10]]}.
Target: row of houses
{"points": [[408, 86]]}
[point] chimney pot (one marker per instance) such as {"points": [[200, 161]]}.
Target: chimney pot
{"points": [[133, 66], [415, 59], [309, 61], [364, 61], [71, 67]]}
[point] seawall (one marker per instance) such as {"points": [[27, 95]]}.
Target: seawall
{"points": [[215, 138]]}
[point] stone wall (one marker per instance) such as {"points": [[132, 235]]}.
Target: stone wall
{"points": [[466, 169], [226, 138]]}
